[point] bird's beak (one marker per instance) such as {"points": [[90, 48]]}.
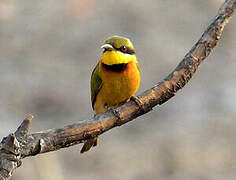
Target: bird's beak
{"points": [[107, 47]]}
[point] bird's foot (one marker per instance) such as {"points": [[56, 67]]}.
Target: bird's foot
{"points": [[116, 114], [138, 102]]}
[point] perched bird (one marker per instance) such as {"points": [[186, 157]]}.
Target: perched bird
{"points": [[115, 79]]}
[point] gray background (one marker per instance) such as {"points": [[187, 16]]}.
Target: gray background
{"points": [[48, 49]]}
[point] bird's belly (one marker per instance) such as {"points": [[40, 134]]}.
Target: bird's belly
{"points": [[118, 90]]}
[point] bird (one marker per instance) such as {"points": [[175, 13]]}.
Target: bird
{"points": [[114, 80]]}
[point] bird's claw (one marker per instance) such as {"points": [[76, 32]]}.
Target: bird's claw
{"points": [[138, 102], [115, 112]]}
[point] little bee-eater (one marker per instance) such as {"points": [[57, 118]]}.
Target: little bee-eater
{"points": [[115, 79]]}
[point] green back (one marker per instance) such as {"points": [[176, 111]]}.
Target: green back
{"points": [[95, 84]]}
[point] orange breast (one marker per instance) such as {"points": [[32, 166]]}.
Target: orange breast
{"points": [[117, 87]]}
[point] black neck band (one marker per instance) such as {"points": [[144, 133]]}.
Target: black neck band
{"points": [[115, 67]]}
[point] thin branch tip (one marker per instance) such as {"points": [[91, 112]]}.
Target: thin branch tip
{"points": [[30, 117]]}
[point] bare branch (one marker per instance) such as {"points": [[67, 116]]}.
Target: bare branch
{"points": [[54, 139], [10, 149]]}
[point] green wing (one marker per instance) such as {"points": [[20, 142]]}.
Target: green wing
{"points": [[95, 84], [138, 66]]}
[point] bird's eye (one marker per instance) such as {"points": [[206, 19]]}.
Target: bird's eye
{"points": [[123, 49]]}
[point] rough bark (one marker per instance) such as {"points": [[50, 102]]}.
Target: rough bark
{"points": [[11, 148], [20, 144]]}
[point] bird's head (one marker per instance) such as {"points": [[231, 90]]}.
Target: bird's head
{"points": [[118, 50]]}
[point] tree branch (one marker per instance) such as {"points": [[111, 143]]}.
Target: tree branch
{"points": [[10, 149], [54, 139]]}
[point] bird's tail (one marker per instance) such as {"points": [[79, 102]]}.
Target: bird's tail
{"points": [[88, 144]]}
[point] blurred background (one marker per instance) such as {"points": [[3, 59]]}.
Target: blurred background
{"points": [[48, 50]]}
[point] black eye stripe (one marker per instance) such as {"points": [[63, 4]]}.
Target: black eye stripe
{"points": [[128, 51]]}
